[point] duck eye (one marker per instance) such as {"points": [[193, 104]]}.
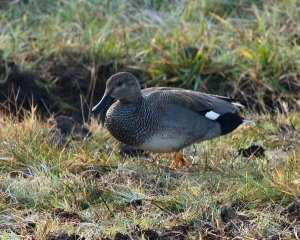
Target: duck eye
{"points": [[119, 84]]}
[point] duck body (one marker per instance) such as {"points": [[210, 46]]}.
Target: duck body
{"points": [[164, 119], [156, 126]]}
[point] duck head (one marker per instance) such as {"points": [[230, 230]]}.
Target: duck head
{"points": [[121, 86]]}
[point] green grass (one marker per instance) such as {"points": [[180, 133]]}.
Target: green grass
{"points": [[247, 49], [90, 178]]}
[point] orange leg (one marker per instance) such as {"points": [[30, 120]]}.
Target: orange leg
{"points": [[179, 161]]}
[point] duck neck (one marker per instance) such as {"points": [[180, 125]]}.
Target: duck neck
{"points": [[133, 98]]}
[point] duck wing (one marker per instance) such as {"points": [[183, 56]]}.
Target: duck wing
{"points": [[193, 100]]}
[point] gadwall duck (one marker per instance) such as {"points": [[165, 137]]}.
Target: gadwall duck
{"points": [[164, 119]]}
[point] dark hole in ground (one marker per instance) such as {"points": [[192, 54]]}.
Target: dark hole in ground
{"points": [[65, 236], [136, 203], [293, 211], [253, 150], [68, 87], [72, 90], [228, 213], [18, 89], [121, 236], [65, 216]]}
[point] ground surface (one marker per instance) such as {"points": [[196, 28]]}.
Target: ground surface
{"points": [[62, 52], [52, 185], [60, 179]]}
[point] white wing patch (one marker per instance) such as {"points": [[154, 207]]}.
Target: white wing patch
{"points": [[212, 115]]}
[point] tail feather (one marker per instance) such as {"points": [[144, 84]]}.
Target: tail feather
{"points": [[228, 122], [238, 104]]}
